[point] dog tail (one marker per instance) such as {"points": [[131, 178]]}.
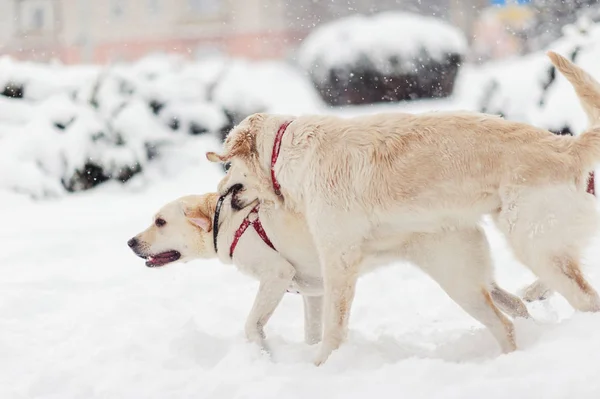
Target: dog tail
{"points": [[586, 87], [587, 144]]}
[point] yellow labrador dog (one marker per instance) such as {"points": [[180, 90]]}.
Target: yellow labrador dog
{"points": [[281, 255], [366, 184]]}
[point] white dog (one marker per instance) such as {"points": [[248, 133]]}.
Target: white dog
{"points": [[284, 257], [365, 185]]}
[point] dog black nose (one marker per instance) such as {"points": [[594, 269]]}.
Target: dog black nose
{"points": [[133, 242]]}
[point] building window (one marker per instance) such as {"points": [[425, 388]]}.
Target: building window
{"points": [[37, 20], [153, 6], [205, 6], [117, 8], [36, 16]]}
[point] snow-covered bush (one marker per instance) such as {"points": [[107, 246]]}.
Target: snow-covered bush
{"points": [[385, 57], [248, 87], [529, 89], [68, 146], [551, 16], [70, 128]]}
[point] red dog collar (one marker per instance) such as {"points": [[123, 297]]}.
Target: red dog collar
{"points": [[275, 155]]}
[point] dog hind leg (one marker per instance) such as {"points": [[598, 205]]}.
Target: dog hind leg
{"points": [[460, 262], [536, 291], [509, 303], [563, 274], [547, 227]]}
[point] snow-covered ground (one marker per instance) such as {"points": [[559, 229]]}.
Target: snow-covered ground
{"points": [[82, 317]]}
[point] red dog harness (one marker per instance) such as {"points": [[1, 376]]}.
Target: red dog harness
{"points": [[259, 229], [591, 186], [244, 226]]}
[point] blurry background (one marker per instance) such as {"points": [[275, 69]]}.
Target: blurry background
{"points": [[107, 90], [83, 31]]}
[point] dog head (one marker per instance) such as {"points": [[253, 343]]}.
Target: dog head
{"points": [[181, 231], [247, 151]]}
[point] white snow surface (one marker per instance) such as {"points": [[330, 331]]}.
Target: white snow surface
{"points": [[82, 317], [380, 38]]}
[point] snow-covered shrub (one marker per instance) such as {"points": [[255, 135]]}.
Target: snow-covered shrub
{"points": [[70, 128], [268, 86], [236, 87], [551, 16], [196, 117], [31, 81], [529, 89], [385, 57], [66, 146]]}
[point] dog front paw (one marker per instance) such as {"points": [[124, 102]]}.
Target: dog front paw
{"points": [[312, 338], [323, 354], [537, 291], [255, 334]]}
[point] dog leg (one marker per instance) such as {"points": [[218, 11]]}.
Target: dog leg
{"points": [[536, 291], [477, 301], [481, 306], [313, 319], [340, 283], [340, 255], [270, 292], [508, 302], [563, 274], [547, 227], [459, 261]]}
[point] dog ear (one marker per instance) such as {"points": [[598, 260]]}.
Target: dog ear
{"points": [[214, 157], [196, 217], [203, 223], [256, 118]]}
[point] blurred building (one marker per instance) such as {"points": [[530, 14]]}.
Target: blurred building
{"points": [[105, 30], [101, 31]]}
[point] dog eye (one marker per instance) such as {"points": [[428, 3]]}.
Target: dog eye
{"points": [[227, 166], [160, 222]]}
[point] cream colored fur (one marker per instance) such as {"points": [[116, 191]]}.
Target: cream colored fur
{"points": [[459, 261], [588, 92], [366, 183]]}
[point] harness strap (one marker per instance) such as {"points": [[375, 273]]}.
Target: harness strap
{"points": [[262, 234], [244, 226]]}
